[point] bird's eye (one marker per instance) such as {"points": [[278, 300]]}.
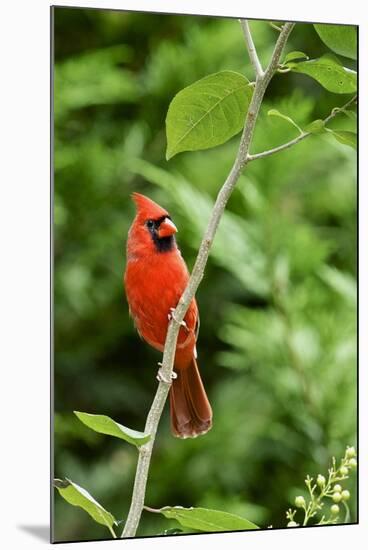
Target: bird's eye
{"points": [[150, 224]]}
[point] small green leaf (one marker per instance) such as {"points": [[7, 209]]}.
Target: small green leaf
{"points": [[274, 112], [344, 137], [291, 56], [316, 127], [207, 113], [341, 39], [203, 519], [328, 71], [106, 425], [77, 496]]}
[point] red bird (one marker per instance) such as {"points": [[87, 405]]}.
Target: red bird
{"points": [[155, 278]]}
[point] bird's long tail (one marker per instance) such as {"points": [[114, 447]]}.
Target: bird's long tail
{"points": [[191, 413]]}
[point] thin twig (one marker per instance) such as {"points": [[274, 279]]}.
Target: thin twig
{"points": [[270, 152], [241, 160], [251, 48], [274, 26], [302, 136]]}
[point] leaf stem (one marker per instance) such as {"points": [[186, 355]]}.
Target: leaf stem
{"points": [[153, 510], [112, 532], [154, 415]]}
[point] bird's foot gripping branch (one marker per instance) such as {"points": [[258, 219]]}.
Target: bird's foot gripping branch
{"points": [[206, 114], [161, 377]]}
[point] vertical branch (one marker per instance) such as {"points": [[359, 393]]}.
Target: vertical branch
{"points": [[144, 459], [251, 48], [155, 412]]}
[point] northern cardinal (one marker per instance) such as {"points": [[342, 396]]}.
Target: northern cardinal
{"points": [[155, 278]]}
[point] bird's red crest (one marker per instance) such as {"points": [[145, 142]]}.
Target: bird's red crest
{"points": [[147, 208]]}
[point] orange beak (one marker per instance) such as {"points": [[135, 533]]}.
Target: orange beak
{"points": [[166, 229]]}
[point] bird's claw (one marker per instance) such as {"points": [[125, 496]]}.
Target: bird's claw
{"points": [[161, 377], [172, 316]]}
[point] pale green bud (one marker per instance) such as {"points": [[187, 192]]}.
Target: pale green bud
{"points": [[352, 463], [344, 471], [350, 452], [299, 502], [321, 480], [337, 488], [335, 509], [336, 497], [292, 524], [345, 495]]}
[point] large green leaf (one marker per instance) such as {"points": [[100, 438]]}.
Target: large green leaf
{"points": [[203, 519], [328, 71], [106, 425], [77, 496], [207, 113], [341, 39]]}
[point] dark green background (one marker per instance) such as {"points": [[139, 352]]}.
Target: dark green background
{"points": [[277, 346]]}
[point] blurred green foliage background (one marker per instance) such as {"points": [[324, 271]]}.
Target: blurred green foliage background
{"points": [[277, 345]]}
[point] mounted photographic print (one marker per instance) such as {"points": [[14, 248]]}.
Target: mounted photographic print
{"points": [[205, 266]]}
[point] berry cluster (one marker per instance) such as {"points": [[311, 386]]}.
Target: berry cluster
{"points": [[323, 489]]}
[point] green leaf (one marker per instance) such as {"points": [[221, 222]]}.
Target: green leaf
{"points": [[341, 39], [291, 56], [274, 112], [316, 127], [328, 71], [77, 496], [207, 113], [203, 519], [106, 425], [345, 137]]}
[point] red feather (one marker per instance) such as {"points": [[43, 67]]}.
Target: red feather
{"points": [[155, 278]]}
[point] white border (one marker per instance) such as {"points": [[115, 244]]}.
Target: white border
{"points": [[24, 270]]}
